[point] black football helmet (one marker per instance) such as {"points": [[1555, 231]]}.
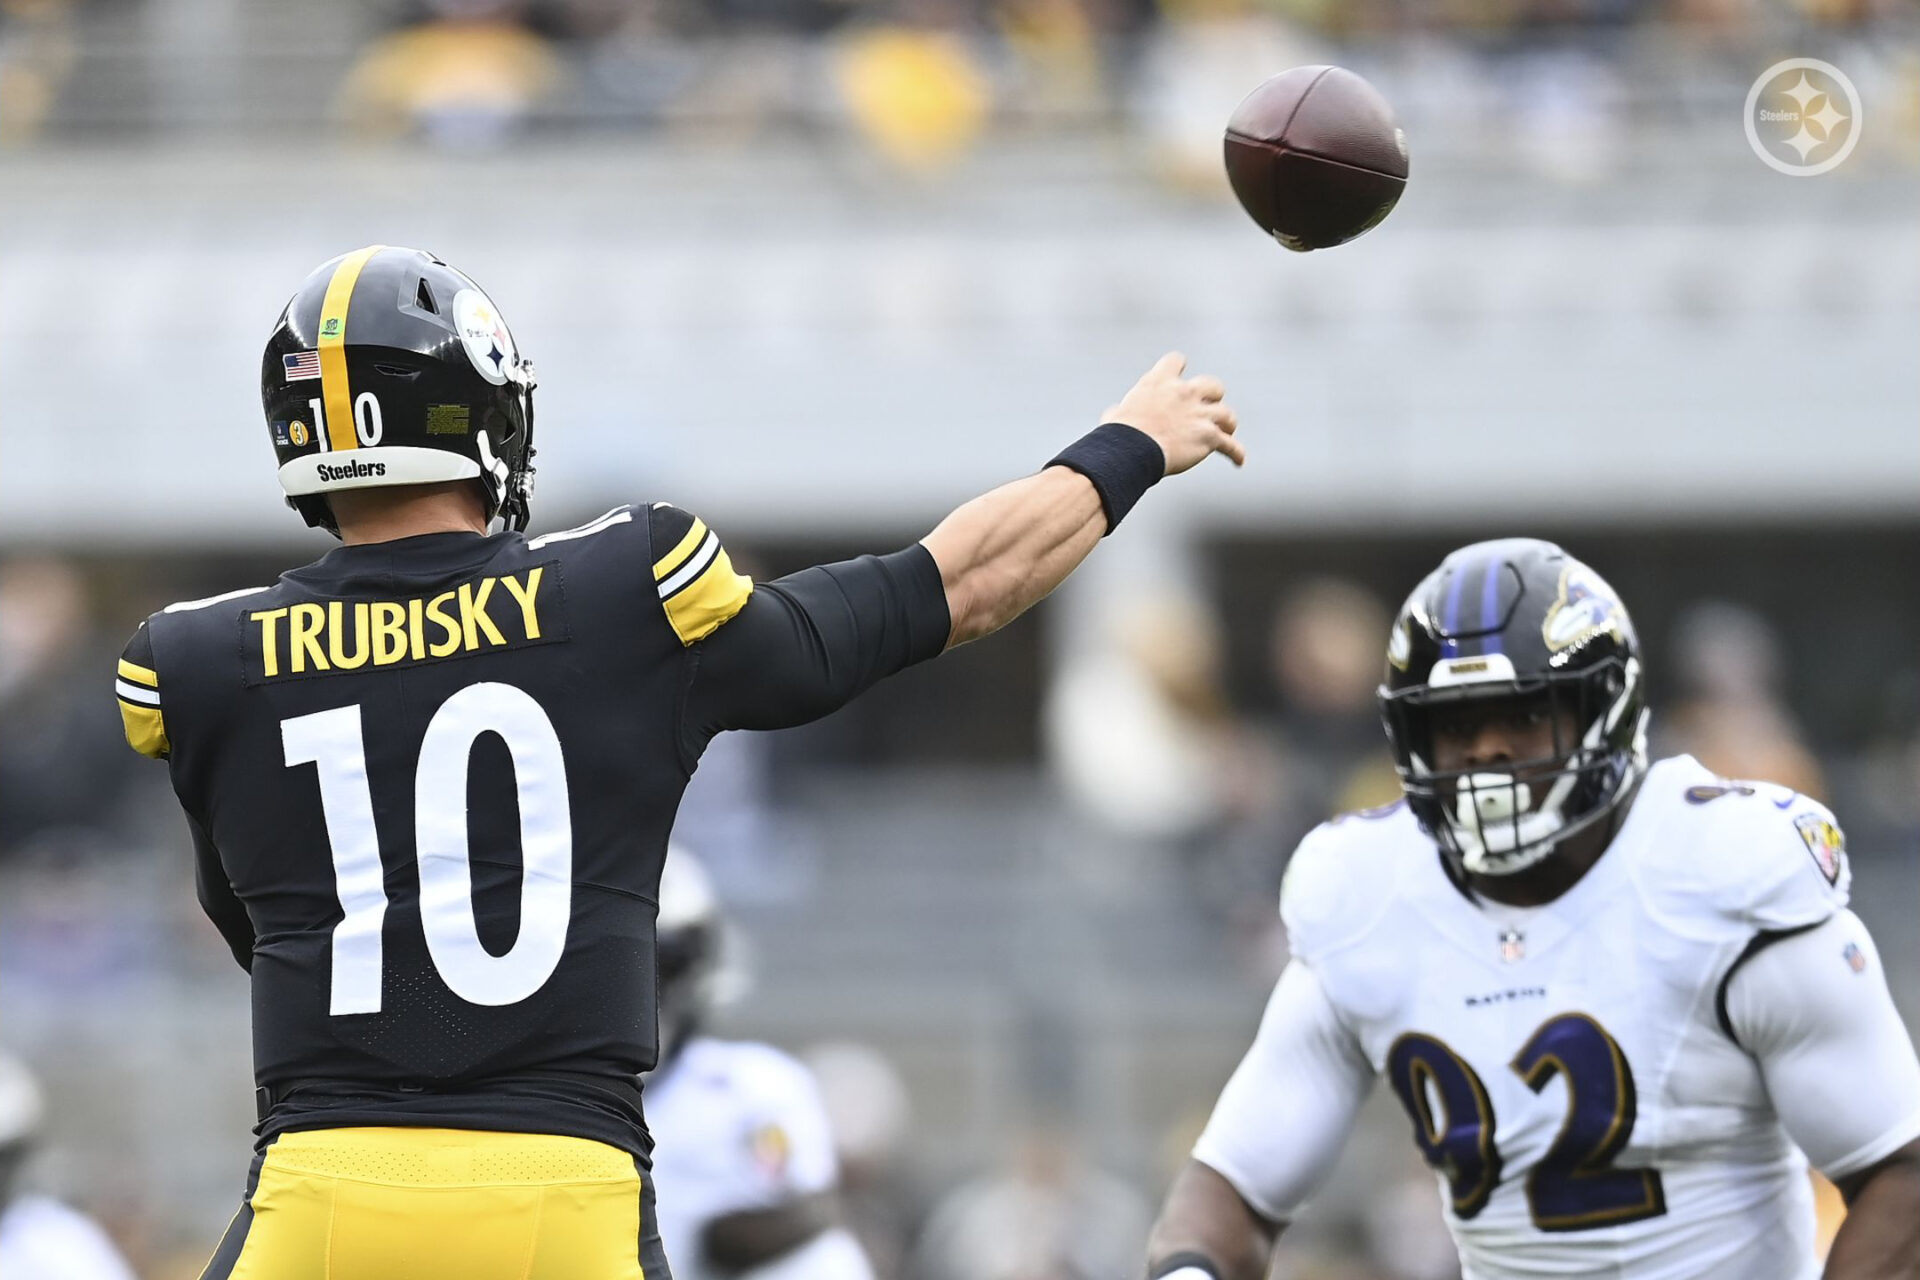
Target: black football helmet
{"points": [[388, 367], [690, 944], [1516, 618]]}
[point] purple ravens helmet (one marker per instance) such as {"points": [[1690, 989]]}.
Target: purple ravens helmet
{"points": [[1516, 618]]}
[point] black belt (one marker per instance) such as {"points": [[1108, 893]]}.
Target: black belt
{"points": [[268, 1096]]}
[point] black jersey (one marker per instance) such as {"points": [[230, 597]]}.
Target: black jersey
{"points": [[431, 781]]}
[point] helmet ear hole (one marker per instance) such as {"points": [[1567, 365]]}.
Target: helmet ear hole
{"points": [[423, 298], [505, 427]]}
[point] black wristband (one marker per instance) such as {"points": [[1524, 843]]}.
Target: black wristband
{"points": [[1179, 1261], [1123, 462]]}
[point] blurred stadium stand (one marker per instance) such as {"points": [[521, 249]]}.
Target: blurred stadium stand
{"points": [[820, 270]]}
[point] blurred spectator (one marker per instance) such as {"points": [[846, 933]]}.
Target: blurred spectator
{"points": [[1190, 77], [64, 761], [1730, 713], [1055, 56], [1887, 802], [1046, 1215], [468, 76], [41, 1238], [38, 51], [1138, 732], [868, 1107], [1328, 647], [44, 615], [82, 924], [1321, 753], [1569, 114], [914, 90], [922, 80]]}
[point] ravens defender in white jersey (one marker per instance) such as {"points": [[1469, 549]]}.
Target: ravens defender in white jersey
{"points": [[430, 776], [742, 1142], [1618, 1002]]}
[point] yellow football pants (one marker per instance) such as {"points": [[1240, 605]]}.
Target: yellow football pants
{"points": [[428, 1204]]}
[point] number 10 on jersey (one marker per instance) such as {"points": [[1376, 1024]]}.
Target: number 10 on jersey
{"points": [[333, 742]]}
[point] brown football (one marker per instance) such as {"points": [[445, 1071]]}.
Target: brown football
{"points": [[1315, 156]]}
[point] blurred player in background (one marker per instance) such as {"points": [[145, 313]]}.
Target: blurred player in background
{"points": [[40, 1238], [430, 776], [1612, 998], [742, 1142]]}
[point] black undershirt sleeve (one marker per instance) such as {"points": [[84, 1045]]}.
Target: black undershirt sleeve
{"points": [[809, 643], [217, 899]]}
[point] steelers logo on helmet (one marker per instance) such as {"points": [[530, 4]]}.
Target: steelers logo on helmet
{"points": [[485, 336]]}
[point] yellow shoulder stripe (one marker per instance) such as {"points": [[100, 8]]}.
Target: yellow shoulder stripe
{"points": [[703, 605], [666, 564], [139, 674], [146, 729]]}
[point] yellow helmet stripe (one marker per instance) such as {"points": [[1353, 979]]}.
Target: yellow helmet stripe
{"points": [[336, 395]]}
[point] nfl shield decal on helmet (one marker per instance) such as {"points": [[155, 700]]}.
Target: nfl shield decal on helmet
{"points": [[484, 335], [1824, 842]]}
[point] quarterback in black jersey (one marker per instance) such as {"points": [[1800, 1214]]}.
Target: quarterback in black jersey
{"points": [[430, 777]]}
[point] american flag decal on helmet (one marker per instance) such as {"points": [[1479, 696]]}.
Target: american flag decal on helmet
{"points": [[301, 365]]}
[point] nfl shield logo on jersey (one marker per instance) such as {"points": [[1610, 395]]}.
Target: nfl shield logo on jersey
{"points": [[1824, 842]]}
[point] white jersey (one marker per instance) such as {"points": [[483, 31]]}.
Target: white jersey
{"points": [[1597, 1097], [42, 1239], [739, 1126]]}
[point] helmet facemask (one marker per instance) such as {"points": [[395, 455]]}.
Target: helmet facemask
{"points": [[507, 475], [687, 959], [1500, 818], [697, 958]]}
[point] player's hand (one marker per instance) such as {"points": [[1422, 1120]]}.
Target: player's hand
{"points": [[1187, 417]]}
